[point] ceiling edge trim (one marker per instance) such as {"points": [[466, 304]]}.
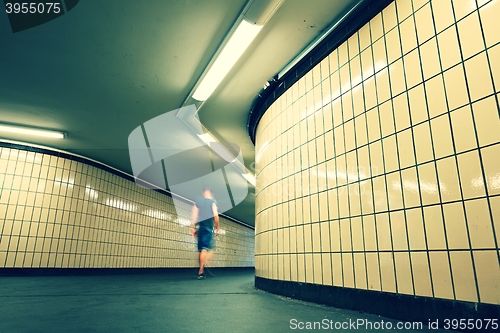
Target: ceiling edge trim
{"points": [[82, 159], [352, 23]]}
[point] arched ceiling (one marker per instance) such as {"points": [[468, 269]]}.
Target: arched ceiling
{"points": [[106, 67]]}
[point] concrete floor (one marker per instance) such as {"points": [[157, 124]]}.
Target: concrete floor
{"points": [[168, 301]]}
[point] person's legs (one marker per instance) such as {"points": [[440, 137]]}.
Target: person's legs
{"points": [[211, 243], [203, 260], [207, 261], [204, 245]]}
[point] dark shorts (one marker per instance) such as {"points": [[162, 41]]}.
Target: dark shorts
{"points": [[205, 239]]}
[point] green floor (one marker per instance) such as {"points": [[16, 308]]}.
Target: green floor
{"points": [[171, 301]]}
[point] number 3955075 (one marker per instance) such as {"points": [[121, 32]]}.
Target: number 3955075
{"points": [[33, 8]]}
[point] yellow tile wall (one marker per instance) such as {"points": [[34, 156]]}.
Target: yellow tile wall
{"points": [[380, 168], [58, 212]]}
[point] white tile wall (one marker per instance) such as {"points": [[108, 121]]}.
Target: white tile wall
{"points": [[58, 212]]}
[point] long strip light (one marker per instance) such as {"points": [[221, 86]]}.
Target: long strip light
{"points": [[32, 131], [244, 34], [250, 178], [255, 15], [208, 139]]}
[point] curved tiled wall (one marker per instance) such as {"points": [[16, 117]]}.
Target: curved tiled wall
{"points": [[61, 212], [379, 169]]}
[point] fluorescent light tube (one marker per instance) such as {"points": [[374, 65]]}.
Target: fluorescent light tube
{"points": [[32, 131], [250, 178], [232, 51], [207, 138]]}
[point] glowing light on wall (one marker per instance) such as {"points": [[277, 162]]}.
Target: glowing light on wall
{"points": [[156, 214], [261, 151], [91, 192], [115, 203]]}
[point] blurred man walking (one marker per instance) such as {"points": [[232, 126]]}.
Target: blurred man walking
{"points": [[204, 215]]}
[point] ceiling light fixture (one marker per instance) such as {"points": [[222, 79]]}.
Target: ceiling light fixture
{"points": [[32, 131], [250, 178], [207, 138], [254, 16], [232, 51]]}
